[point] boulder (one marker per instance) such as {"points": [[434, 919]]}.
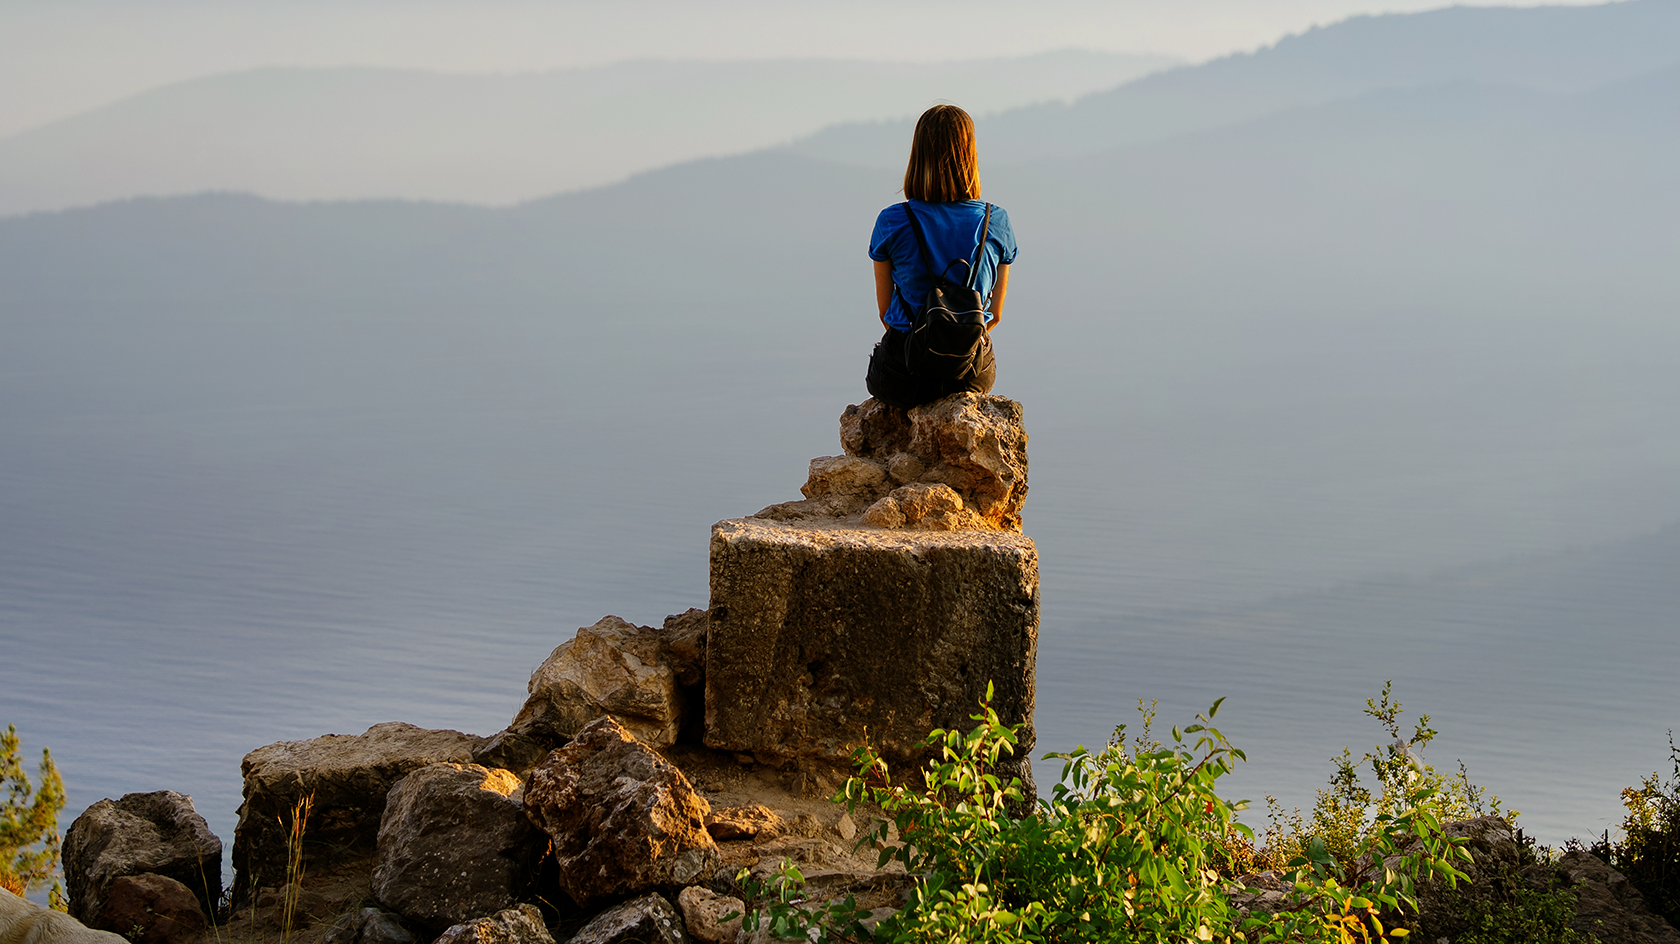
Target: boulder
{"points": [[1608, 905], [649, 919], [972, 444], [152, 909], [24, 922], [704, 911], [347, 777], [157, 832], [611, 668], [623, 819], [685, 646], [922, 507], [522, 924], [510, 750], [825, 636], [454, 844], [368, 926]]}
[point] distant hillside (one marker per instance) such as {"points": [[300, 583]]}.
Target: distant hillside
{"points": [[366, 133], [1558, 49]]}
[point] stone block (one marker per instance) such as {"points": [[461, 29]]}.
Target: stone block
{"points": [[823, 636]]}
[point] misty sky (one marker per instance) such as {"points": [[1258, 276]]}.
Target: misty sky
{"points": [[59, 57]]}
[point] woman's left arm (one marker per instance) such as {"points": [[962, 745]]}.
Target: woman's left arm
{"points": [[883, 288], [998, 291]]}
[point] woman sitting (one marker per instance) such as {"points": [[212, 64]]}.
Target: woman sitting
{"points": [[942, 236]]}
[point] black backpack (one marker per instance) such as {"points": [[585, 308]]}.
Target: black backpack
{"points": [[948, 329]]}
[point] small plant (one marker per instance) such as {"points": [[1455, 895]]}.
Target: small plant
{"points": [[29, 839], [294, 864], [778, 905], [1648, 852]]}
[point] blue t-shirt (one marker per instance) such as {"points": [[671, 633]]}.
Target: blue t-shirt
{"points": [[951, 229]]}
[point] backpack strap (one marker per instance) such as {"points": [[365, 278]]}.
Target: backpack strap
{"points": [[980, 248], [921, 240]]}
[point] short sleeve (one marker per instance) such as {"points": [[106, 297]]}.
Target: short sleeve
{"points": [[1005, 237], [883, 234]]}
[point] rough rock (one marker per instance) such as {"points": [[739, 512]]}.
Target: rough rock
{"points": [[1608, 905], [510, 750], [745, 822], [152, 909], [973, 443], [649, 919], [843, 484], [368, 926], [685, 646], [522, 924], [703, 912], [454, 844], [611, 668], [823, 636], [623, 819], [924, 508], [24, 922], [156, 832], [348, 776]]}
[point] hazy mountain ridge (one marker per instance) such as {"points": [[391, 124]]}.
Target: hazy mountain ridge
{"points": [[370, 133], [1555, 49]]}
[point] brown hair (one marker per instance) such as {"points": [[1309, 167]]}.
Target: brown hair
{"points": [[944, 164]]}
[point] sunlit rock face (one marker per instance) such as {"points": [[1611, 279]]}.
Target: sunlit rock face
{"points": [[611, 668], [521, 924], [952, 465], [645, 677], [622, 818]]}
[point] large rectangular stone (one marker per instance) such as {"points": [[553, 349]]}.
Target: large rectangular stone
{"points": [[822, 637]]}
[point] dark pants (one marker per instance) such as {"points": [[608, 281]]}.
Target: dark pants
{"points": [[890, 383]]}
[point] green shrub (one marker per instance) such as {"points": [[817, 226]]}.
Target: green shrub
{"points": [[1129, 847], [1346, 815], [1648, 852], [1522, 915], [29, 822]]}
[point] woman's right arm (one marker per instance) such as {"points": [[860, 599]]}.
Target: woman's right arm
{"points": [[883, 288], [998, 291]]}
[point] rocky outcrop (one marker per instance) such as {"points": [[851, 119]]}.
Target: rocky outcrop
{"points": [[649, 919], [24, 922], [454, 844], [152, 909], [157, 832], [1607, 904], [347, 777], [623, 820], [519, 925], [822, 637], [955, 464], [611, 668]]}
